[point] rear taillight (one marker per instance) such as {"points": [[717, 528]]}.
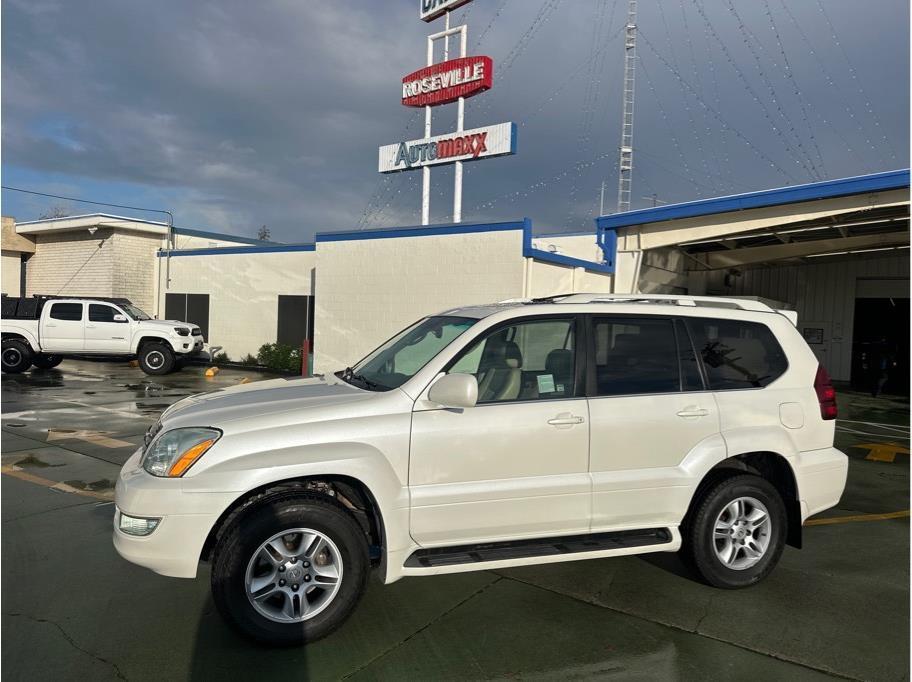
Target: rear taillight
{"points": [[826, 394]]}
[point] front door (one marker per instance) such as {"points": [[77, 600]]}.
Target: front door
{"points": [[104, 333], [63, 328], [648, 409], [516, 464]]}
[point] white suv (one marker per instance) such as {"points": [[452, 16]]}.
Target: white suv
{"points": [[574, 427]]}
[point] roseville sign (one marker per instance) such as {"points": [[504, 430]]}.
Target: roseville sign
{"points": [[466, 145], [431, 9], [446, 82]]}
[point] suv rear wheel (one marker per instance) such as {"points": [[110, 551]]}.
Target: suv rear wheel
{"points": [[16, 356], [294, 573], [736, 533], [156, 358]]}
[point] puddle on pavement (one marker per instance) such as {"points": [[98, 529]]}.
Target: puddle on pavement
{"points": [[103, 484], [32, 461]]}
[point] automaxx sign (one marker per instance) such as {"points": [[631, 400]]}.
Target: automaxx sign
{"points": [[447, 81], [466, 145]]}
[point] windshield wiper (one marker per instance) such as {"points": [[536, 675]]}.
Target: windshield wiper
{"points": [[348, 375]]}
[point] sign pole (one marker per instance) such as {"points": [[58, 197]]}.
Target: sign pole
{"points": [[460, 120], [426, 171]]}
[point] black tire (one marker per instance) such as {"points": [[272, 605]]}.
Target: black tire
{"points": [[156, 358], [43, 361], [238, 544], [699, 545], [16, 356]]}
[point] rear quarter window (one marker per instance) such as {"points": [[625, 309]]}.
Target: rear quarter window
{"points": [[737, 354]]}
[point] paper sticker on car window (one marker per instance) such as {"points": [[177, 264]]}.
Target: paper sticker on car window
{"points": [[545, 383]]}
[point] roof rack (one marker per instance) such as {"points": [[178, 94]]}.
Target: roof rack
{"points": [[731, 303]]}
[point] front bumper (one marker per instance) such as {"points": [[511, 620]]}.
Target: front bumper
{"points": [[174, 547], [821, 476]]}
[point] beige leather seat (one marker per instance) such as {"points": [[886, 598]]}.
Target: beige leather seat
{"points": [[500, 371]]}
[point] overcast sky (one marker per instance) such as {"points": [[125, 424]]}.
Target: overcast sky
{"points": [[237, 114]]}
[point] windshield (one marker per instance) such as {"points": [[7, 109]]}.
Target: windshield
{"points": [[400, 358], [134, 312]]}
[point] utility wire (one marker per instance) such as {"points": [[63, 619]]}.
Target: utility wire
{"points": [[86, 201]]}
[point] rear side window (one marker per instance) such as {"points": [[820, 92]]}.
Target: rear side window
{"points": [[635, 356], [737, 354], [67, 311]]}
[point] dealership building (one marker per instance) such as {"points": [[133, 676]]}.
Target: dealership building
{"points": [[835, 251]]}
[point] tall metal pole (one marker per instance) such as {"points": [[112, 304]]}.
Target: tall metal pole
{"points": [[426, 170], [625, 163], [460, 119]]}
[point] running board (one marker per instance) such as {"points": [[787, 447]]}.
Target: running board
{"points": [[520, 549]]}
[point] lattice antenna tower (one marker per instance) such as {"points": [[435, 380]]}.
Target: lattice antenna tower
{"points": [[625, 163]]}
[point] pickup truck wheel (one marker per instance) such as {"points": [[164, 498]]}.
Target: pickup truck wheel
{"points": [[292, 571], [737, 533], [16, 356], [156, 358], [44, 361]]}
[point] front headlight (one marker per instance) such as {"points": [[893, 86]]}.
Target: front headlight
{"points": [[175, 451], [182, 331]]}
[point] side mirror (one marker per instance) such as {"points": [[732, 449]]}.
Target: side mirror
{"points": [[120, 318], [455, 390]]}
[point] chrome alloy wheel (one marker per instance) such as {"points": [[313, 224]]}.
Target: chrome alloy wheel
{"points": [[11, 357], [742, 533], [155, 359], [294, 575]]}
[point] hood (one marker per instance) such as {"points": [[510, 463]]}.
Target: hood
{"points": [[252, 401], [166, 325]]}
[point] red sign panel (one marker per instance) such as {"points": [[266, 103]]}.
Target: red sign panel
{"points": [[447, 81]]}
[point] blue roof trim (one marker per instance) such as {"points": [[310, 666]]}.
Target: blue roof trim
{"points": [[218, 235], [530, 251], [233, 250], [418, 231], [862, 184]]}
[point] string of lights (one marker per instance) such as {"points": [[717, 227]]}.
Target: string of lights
{"points": [[747, 86], [751, 42], [790, 75], [714, 113]]}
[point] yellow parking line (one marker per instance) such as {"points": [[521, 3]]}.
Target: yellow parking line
{"points": [[16, 472], [857, 517]]}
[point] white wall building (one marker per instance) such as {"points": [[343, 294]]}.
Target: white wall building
{"points": [[835, 251]]}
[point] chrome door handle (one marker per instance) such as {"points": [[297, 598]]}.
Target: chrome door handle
{"points": [[693, 412], [565, 420]]}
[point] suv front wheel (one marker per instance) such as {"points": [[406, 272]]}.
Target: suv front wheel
{"points": [[736, 533], [291, 571]]}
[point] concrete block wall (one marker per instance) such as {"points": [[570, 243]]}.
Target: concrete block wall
{"points": [[11, 269], [72, 264], [243, 292], [134, 267], [371, 288]]}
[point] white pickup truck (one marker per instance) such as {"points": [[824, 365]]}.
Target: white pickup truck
{"points": [[43, 330]]}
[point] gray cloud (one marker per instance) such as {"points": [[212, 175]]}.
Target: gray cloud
{"points": [[237, 114]]}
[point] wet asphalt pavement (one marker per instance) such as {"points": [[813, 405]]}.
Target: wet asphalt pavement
{"points": [[72, 609]]}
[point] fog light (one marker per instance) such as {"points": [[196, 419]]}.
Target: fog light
{"points": [[134, 525]]}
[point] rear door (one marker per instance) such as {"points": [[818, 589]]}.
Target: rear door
{"points": [[105, 334], [62, 327], [648, 410]]}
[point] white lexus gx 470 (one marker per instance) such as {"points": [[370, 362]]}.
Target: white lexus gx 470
{"points": [[526, 432]]}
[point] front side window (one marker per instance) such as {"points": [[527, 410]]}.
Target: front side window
{"points": [[67, 311], [102, 313], [534, 360], [135, 312], [635, 356], [737, 354], [400, 358]]}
